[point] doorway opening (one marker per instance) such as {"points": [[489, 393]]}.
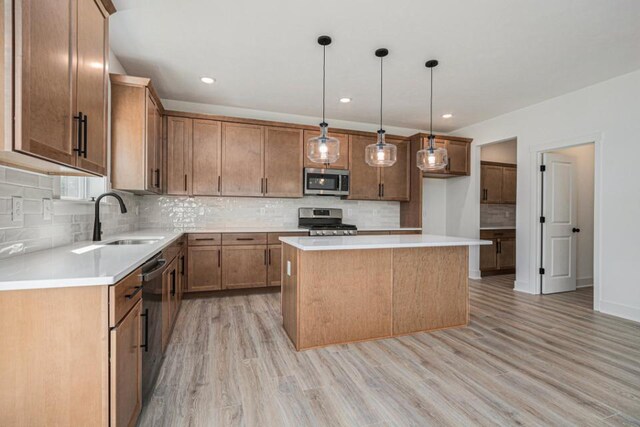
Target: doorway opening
{"points": [[566, 208], [498, 183]]}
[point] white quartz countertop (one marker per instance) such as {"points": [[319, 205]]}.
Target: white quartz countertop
{"points": [[94, 264], [292, 229], [500, 227], [378, 242], [82, 264]]}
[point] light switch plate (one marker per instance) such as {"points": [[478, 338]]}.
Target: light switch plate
{"points": [[288, 268], [47, 209], [17, 209]]}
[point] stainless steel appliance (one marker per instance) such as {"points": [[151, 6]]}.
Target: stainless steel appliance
{"points": [[324, 222], [152, 316], [328, 182]]}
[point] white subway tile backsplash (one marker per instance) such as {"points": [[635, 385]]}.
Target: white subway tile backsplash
{"points": [[70, 221], [205, 212], [497, 215]]}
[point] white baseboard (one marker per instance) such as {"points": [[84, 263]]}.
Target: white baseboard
{"points": [[521, 286], [584, 282], [475, 274], [620, 310]]}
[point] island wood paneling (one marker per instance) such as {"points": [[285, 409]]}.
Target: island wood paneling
{"points": [[344, 296], [430, 288], [289, 298]]}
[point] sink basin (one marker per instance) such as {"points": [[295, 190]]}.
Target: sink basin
{"points": [[132, 242]]}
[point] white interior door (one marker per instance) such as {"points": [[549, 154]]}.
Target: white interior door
{"points": [[559, 198]]}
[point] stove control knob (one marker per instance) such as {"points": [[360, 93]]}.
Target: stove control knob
{"points": [[335, 232]]}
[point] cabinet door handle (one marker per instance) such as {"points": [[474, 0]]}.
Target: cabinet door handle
{"points": [[157, 173], [382, 186], [499, 246], [205, 238], [85, 132], [136, 292], [78, 148], [261, 185], [219, 257], [245, 238], [173, 283], [182, 265], [265, 257], [185, 182], [266, 185], [269, 256], [219, 183], [449, 163], [146, 330]]}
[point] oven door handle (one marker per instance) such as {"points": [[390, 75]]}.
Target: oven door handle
{"points": [[146, 277]]}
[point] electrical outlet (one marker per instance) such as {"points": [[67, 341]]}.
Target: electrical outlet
{"points": [[288, 268], [47, 209], [17, 210]]}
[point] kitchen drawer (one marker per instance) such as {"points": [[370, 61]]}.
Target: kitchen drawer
{"points": [[205, 239], [123, 296], [373, 233], [497, 234], [405, 232], [172, 250], [274, 238], [244, 239]]}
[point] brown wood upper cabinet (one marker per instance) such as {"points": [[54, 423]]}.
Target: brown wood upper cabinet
{"points": [[458, 152], [343, 161], [193, 156], [283, 162], [179, 155], [61, 54], [261, 161], [498, 183], [206, 164], [242, 160], [136, 135], [372, 183]]}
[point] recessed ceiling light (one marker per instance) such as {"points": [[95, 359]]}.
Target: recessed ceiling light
{"points": [[447, 116], [207, 80], [345, 100]]}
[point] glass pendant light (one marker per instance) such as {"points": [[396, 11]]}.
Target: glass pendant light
{"points": [[381, 154], [323, 148], [432, 158]]}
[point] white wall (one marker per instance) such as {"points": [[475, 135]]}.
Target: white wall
{"points": [[585, 170], [502, 152], [434, 209], [607, 112]]}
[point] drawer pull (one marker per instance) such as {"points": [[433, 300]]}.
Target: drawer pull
{"points": [[136, 292], [205, 238], [245, 238]]}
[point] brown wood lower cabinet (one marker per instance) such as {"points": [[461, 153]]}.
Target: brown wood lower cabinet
{"points": [[274, 261], [126, 369], [205, 272], [244, 266], [500, 257]]}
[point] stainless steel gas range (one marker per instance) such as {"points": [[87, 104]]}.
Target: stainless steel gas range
{"points": [[324, 222]]}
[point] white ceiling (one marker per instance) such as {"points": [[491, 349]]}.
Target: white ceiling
{"points": [[495, 56]]}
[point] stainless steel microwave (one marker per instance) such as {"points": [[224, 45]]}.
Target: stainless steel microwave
{"points": [[328, 182]]}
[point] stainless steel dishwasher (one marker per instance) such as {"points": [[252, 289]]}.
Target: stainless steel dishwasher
{"points": [[152, 328]]}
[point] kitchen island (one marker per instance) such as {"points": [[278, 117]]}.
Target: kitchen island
{"points": [[345, 289]]}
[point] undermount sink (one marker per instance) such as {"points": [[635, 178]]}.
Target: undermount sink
{"points": [[132, 242]]}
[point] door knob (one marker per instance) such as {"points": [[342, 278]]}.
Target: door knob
{"points": [[575, 230]]}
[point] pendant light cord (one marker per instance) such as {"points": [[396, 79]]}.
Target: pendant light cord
{"points": [[324, 62], [431, 114], [381, 93]]}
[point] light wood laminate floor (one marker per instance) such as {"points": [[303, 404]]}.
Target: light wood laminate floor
{"points": [[524, 360]]}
